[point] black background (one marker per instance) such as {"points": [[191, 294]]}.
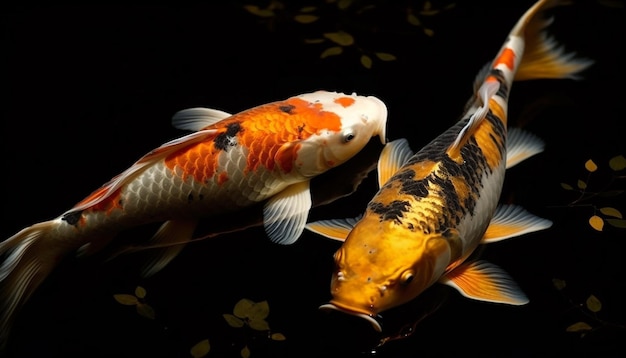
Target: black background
{"points": [[89, 88]]}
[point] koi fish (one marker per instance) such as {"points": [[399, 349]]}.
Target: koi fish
{"points": [[435, 207], [269, 154]]}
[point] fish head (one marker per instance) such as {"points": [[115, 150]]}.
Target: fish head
{"points": [[378, 269], [344, 124]]}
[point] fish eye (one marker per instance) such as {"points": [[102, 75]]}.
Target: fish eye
{"points": [[348, 136], [407, 277]]}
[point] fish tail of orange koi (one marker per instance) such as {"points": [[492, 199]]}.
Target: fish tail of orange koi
{"points": [[543, 57], [28, 258]]}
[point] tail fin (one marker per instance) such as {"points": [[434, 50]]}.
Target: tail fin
{"points": [[28, 259], [543, 57]]}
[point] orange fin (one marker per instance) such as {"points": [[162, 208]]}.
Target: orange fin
{"points": [[195, 119], [336, 229], [149, 159], [285, 214], [172, 235], [543, 57], [484, 281], [392, 157], [511, 221]]}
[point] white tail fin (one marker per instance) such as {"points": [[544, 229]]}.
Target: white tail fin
{"points": [[28, 258]]}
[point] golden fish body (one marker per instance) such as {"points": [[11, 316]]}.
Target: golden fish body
{"points": [[435, 207]]}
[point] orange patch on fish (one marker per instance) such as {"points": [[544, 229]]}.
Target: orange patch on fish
{"points": [[222, 178], [270, 133], [109, 203], [198, 161], [507, 57], [345, 101]]}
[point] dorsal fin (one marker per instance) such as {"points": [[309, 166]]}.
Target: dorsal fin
{"points": [[195, 119], [487, 90]]}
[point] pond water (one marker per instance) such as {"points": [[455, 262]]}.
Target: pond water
{"points": [[92, 88]]}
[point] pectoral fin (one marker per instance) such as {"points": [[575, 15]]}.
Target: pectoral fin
{"points": [[484, 281], [521, 145], [285, 214], [336, 229], [172, 235], [511, 221], [392, 157]]}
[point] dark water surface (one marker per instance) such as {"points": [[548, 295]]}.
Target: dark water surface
{"points": [[91, 88]]}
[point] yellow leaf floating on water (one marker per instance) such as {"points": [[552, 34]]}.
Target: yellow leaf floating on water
{"points": [[146, 311], [259, 310], [596, 222], [232, 320], [413, 20], [305, 19], [245, 352], [618, 223], [366, 61], [332, 51], [259, 324], [243, 307], [591, 166], [125, 299], [611, 212], [593, 304], [578, 327], [140, 292], [200, 349], [558, 283], [341, 38], [617, 163], [278, 337], [385, 56]]}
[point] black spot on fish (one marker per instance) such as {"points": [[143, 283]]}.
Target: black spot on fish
{"points": [[394, 211], [224, 140], [72, 217], [288, 108], [503, 91], [190, 197]]}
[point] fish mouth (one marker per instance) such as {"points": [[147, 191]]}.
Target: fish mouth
{"points": [[382, 127], [366, 315]]}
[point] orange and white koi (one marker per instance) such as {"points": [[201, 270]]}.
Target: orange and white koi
{"points": [[436, 206], [266, 154]]}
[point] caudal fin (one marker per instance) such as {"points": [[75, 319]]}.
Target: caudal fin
{"points": [[27, 257], [543, 57]]}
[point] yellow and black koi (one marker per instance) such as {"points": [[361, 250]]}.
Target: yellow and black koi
{"points": [[435, 207]]}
